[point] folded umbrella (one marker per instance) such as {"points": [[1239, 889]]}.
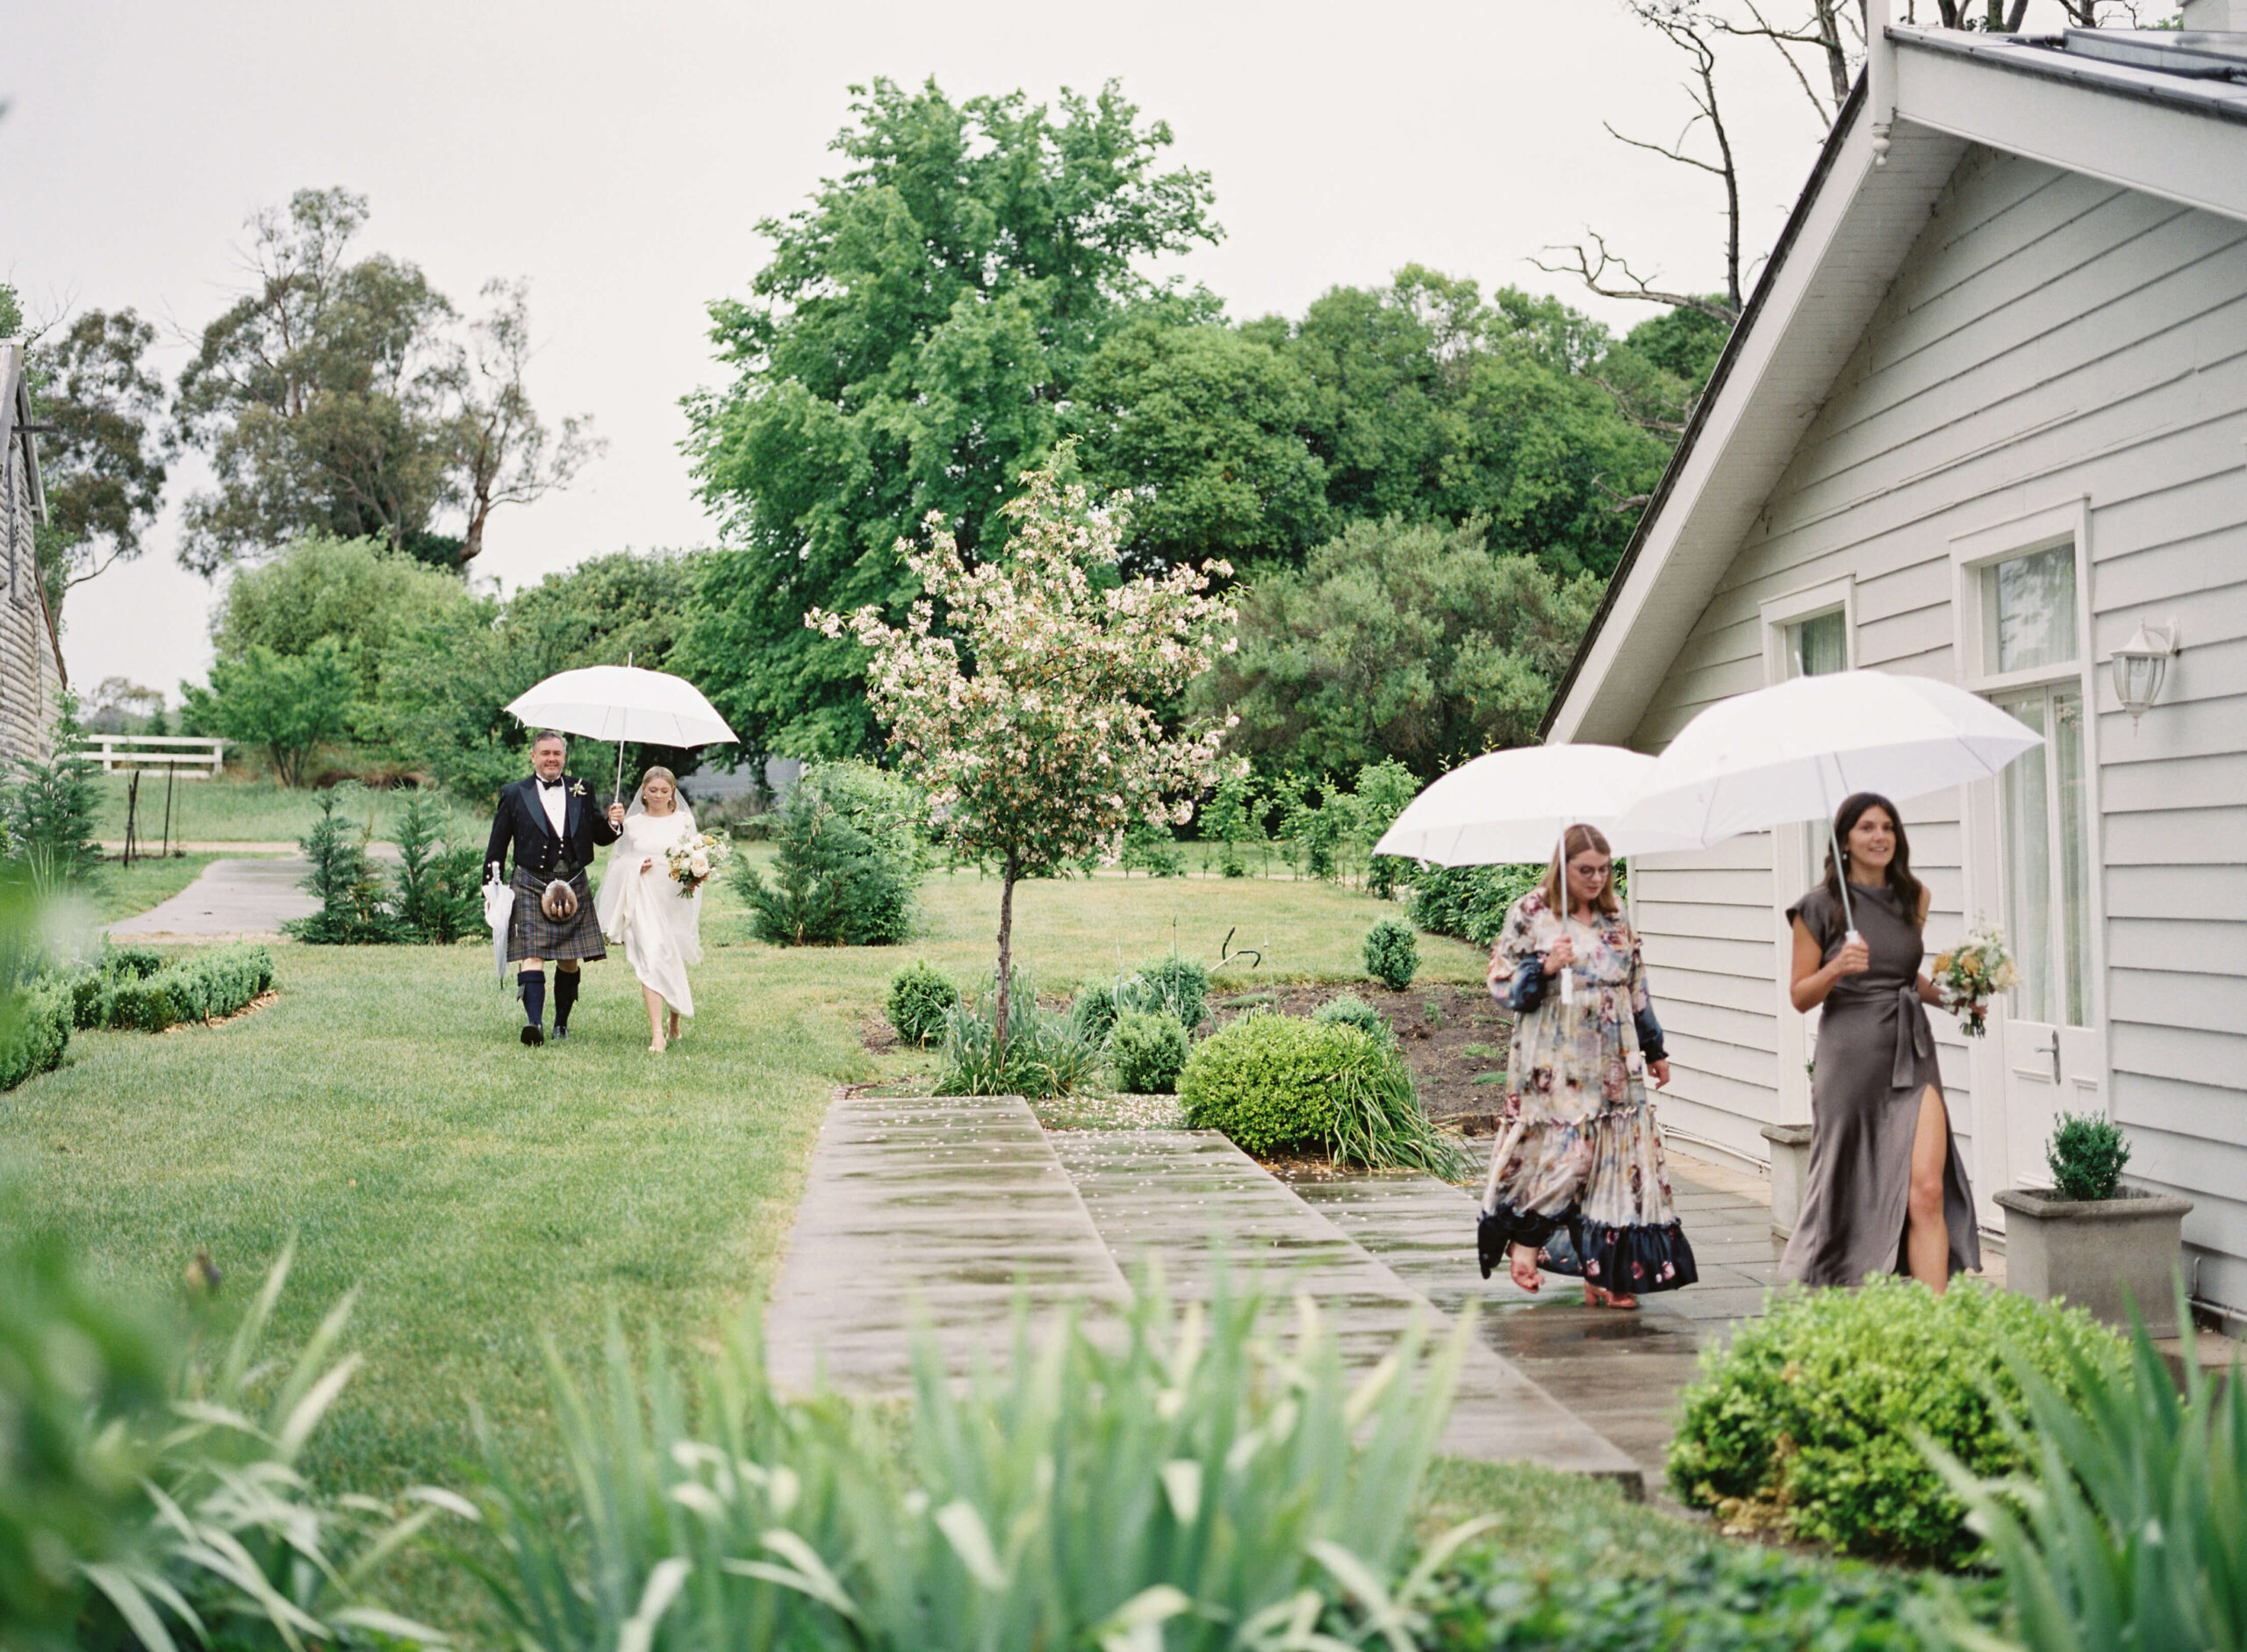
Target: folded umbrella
{"points": [[1795, 750]]}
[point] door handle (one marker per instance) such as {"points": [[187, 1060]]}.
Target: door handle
{"points": [[2052, 1050]]}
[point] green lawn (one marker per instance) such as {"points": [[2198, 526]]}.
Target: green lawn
{"points": [[477, 1193], [230, 811]]}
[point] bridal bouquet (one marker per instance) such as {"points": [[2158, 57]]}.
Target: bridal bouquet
{"points": [[1974, 972], [694, 861]]}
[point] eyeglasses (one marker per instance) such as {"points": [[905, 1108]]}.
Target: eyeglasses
{"points": [[1593, 874]]}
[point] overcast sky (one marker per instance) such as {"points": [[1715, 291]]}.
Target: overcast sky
{"points": [[620, 158]]}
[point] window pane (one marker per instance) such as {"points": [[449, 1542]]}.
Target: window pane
{"points": [[2028, 866], [1821, 644], [2030, 605], [2075, 854]]}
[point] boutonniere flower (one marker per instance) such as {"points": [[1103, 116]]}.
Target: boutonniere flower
{"points": [[578, 790]]}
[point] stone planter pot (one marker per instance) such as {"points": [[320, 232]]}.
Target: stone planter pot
{"points": [[1790, 1173], [2100, 1254]]}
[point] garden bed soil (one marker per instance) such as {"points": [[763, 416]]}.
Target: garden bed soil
{"points": [[1454, 1038]]}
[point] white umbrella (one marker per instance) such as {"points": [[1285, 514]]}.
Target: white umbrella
{"points": [[623, 703], [1511, 807], [1793, 752]]}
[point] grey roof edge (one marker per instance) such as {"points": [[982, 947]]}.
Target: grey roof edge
{"points": [[1813, 187], [2041, 56]]}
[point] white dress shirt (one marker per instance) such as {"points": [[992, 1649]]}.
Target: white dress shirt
{"points": [[555, 800]]}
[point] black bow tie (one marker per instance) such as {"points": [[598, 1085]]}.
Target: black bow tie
{"points": [[545, 785]]}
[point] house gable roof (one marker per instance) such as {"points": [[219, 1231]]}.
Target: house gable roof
{"points": [[2051, 99]]}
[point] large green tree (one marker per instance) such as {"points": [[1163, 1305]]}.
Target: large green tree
{"points": [[913, 347], [102, 456], [358, 592], [341, 398], [1410, 640]]}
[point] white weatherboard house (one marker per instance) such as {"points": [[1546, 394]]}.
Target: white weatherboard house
{"points": [[1986, 417], [31, 678]]}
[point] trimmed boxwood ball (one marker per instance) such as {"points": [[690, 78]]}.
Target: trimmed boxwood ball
{"points": [[1805, 1423], [1350, 1010], [1392, 954], [1263, 1080], [918, 998], [1147, 1051], [1184, 984]]}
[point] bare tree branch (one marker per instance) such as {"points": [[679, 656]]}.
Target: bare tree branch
{"points": [[1595, 277]]}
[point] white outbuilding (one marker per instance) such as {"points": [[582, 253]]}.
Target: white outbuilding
{"points": [[1985, 418]]}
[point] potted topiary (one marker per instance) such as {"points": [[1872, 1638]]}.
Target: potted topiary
{"points": [[2099, 1245]]}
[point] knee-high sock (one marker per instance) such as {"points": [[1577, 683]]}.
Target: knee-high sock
{"points": [[565, 993], [532, 983]]}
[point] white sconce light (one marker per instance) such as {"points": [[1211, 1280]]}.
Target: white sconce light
{"points": [[2139, 666]]}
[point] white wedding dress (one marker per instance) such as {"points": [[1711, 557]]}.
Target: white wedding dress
{"points": [[642, 910]]}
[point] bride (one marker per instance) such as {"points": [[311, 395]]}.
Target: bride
{"points": [[642, 908]]}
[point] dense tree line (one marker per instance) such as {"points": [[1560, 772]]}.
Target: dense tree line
{"points": [[973, 290]]}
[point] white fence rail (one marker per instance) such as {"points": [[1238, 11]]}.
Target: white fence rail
{"points": [[190, 756]]}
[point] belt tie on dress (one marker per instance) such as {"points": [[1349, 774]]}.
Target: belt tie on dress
{"points": [[1913, 1039]]}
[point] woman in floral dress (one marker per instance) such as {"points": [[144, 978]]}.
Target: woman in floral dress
{"points": [[1577, 1184]]}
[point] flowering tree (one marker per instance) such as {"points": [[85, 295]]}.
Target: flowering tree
{"points": [[1027, 716]]}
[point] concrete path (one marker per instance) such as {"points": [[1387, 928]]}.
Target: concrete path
{"points": [[934, 1211], [1620, 1372], [1188, 1199], [947, 1208], [231, 897]]}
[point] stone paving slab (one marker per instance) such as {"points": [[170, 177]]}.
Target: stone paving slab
{"points": [[1620, 1372], [944, 1212], [1191, 1200]]}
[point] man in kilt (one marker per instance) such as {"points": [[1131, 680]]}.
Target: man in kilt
{"points": [[553, 824]]}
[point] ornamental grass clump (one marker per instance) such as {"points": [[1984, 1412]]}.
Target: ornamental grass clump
{"points": [[2135, 1535], [1047, 1054], [1201, 1480], [1804, 1423]]}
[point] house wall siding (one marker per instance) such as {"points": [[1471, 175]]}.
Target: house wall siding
{"points": [[30, 682], [2049, 337]]}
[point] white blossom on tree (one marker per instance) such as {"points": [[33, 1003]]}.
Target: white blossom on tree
{"points": [[1027, 714]]}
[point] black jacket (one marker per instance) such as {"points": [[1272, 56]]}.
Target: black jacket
{"points": [[520, 822]]}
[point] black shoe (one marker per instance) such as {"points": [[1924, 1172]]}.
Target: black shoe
{"points": [[532, 1035], [560, 1031]]}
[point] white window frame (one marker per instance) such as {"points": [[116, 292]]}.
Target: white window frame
{"points": [[2067, 522], [1790, 857]]}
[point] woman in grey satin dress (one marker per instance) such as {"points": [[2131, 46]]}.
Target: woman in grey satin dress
{"points": [[1886, 1191]]}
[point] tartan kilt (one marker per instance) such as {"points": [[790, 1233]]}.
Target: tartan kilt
{"points": [[532, 934]]}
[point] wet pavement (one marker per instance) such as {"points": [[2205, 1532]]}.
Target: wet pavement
{"points": [[944, 1211], [1619, 1371]]}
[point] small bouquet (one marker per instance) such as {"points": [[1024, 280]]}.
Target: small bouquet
{"points": [[694, 861], [1971, 974]]}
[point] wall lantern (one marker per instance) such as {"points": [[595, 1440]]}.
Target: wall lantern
{"points": [[2140, 665]]}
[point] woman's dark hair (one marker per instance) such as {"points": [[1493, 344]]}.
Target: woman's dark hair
{"points": [[1907, 888]]}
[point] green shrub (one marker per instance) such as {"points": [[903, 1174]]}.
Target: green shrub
{"points": [[34, 1031], [1805, 1420], [1046, 1054], [1148, 1052], [2086, 1155], [1272, 1082], [2138, 1534], [1720, 1598], [91, 988], [440, 891], [48, 811], [1152, 850], [918, 998], [1187, 1484], [343, 878], [1170, 984], [1392, 954], [834, 883], [1470, 902], [206, 986], [1092, 1012], [1350, 1010]]}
